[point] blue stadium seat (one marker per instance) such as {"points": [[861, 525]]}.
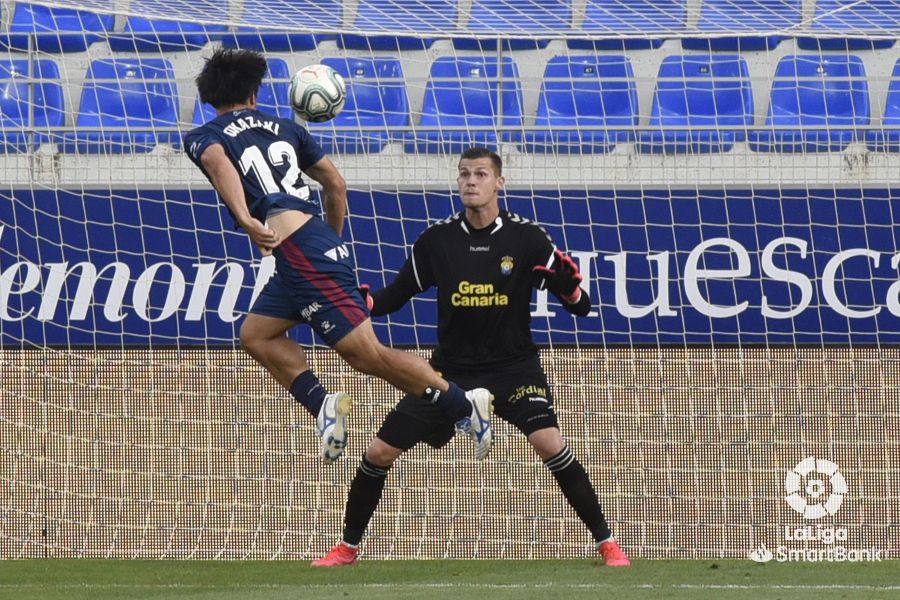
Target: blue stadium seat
{"points": [[262, 12], [464, 100], [29, 106], [509, 17], [711, 94], [607, 19], [55, 29], [582, 92], [870, 17], [272, 97], [158, 35], [376, 101], [887, 139], [434, 17], [814, 91], [203, 112], [719, 16], [273, 93], [139, 94]]}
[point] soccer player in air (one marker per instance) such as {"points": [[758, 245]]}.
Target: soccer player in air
{"points": [[484, 262], [254, 161]]}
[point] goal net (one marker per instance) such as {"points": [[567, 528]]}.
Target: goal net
{"points": [[724, 172]]}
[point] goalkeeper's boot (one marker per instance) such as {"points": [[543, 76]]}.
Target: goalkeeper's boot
{"points": [[331, 425], [341, 555], [478, 425], [612, 554]]}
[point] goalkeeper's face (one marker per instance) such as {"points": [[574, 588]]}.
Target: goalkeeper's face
{"points": [[478, 182]]}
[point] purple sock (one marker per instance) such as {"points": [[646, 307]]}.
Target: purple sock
{"points": [[453, 402], [307, 390]]}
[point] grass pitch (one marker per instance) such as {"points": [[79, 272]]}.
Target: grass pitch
{"points": [[57, 579]]}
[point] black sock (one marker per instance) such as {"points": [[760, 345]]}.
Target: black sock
{"points": [[576, 486], [362, 500], [453, 402], [307, 390]]}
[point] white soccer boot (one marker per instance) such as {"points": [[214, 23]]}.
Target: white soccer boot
{"points": [[478, 425], [331, 425]]}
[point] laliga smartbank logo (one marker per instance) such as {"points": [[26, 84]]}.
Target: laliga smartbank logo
{"points": [[806, 486], [814, 488]]}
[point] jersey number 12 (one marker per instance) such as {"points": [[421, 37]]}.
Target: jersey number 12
{"points": [[279, 152]]}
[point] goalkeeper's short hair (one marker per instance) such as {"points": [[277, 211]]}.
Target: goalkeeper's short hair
{"points": [[480, 152]]}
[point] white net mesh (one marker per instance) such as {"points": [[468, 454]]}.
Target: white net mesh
{"points": [[724, 172]]}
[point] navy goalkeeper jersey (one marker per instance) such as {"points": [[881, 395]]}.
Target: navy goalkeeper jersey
{"points": [[268, 152], [484, 279]]}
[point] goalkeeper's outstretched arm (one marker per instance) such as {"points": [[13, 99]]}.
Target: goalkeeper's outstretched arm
{"points": [[395, 295], [564, 279]]}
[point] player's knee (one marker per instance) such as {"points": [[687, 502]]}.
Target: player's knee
{"points": [[381, 453], [547, 442], [249, 342]]}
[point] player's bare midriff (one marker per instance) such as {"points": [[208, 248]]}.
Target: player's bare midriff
{"points": [[287, 222]]}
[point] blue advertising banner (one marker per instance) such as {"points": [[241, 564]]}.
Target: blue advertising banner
{"points": [[671, 267]]}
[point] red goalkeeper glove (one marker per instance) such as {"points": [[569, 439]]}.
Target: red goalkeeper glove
{"points": [[564, 279], [367, 295]]}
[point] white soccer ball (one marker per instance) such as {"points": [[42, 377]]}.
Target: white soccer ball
{"points": [[317, 93]]}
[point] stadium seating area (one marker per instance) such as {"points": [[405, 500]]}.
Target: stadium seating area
{"points": [[587, 104], [701, 104], [818, 98], [21, 105], [123, 117]]}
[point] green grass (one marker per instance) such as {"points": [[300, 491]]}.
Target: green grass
{"points": [[438, 580]]}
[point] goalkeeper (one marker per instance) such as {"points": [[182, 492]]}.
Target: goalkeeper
{"points": [[254, 161], [484, 263]]}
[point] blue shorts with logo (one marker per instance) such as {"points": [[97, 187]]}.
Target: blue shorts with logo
{"points": [[314, 283]]}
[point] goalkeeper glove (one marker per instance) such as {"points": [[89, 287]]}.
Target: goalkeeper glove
{"points": [[564, 280], [367, 295]]}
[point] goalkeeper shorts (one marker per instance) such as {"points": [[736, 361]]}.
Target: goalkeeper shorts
{"points": [[521, 398]]}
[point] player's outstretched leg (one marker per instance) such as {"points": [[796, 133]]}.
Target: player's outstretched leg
{"points": [[612, 554], [341, 555], [478, 424], [412, 374], [331, 425]]}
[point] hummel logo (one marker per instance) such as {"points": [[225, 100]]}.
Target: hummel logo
{"points": [[338, 253]]}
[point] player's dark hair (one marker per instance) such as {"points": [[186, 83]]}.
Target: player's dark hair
{"points": [[230, 76], [479, 152]]}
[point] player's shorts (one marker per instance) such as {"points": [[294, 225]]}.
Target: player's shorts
{"points": [[521, 398], [314, 283]]}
